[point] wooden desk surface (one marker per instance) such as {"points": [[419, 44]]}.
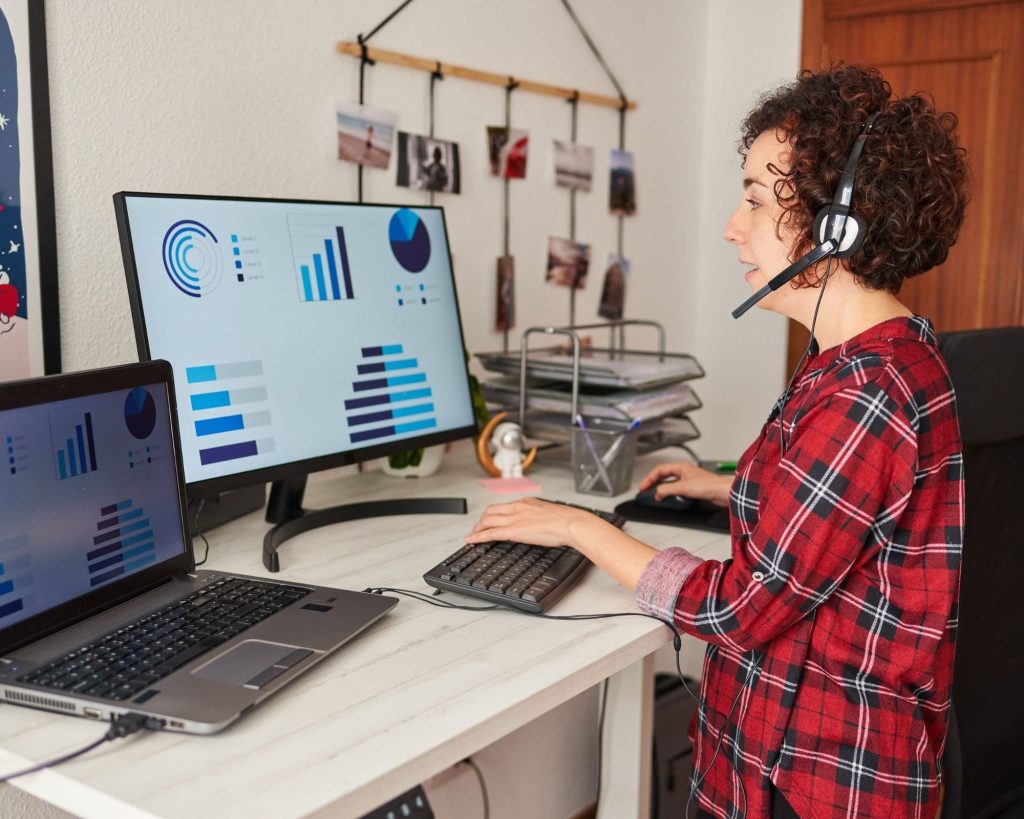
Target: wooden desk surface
{"points": [[419, 691]]}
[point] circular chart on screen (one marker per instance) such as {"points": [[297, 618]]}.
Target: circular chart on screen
{"points": [[409, 239], [191, 257], [140, 413]]}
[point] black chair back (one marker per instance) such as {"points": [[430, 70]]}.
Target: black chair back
{"points": [[987, 735]]}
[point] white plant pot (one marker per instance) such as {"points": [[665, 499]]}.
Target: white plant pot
{"points": [[428, 465]]}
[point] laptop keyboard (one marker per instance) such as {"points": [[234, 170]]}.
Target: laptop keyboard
{"points": [[122, 663]]}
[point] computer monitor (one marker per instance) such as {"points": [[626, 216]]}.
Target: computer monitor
{"points": [[304, 335]]}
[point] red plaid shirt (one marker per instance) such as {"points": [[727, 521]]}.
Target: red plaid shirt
{"points": [[832, 626]]}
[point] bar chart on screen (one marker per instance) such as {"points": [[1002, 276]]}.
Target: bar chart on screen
{"points": [[229, 408], [392, 395], [74, 446], [321, 259]]}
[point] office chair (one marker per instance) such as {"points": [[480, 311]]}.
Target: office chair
{"points": [[984, 764]]}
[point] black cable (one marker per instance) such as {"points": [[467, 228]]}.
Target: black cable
{"points": [[199, 533], [509, 88], [122, 726], [799, 364], [483, 785]]}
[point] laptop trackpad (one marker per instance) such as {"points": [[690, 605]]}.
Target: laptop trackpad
{"points": [[253, 663]]}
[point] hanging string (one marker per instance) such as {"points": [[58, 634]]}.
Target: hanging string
{"points": [[383, 22], [593, 48], [509, 88], [574, 108], [363, 62], [622, 146], [434, 77]]}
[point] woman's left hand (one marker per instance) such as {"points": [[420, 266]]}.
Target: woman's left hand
{"points": [[530, 520]]}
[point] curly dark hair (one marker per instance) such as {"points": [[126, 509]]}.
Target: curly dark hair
{"points": [[912, 179]]}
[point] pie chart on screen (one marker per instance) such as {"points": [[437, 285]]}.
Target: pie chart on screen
{"points": [[409, 239], [140, 413]]}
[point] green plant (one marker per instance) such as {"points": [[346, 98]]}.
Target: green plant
{"points": [[412, 457]]}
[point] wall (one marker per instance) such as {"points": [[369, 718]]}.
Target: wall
{"points": [[231, 97], [236, 97]]}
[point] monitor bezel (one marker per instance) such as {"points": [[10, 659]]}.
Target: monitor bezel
{"points": [[210, 487], [29, 392]]}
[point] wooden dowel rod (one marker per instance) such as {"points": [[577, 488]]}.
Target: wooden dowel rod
{"points": [[448, 70]]}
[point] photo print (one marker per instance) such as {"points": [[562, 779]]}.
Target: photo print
{"points": [[613, 293], [622, 186], [507, 148], [574, 165], [365, 135], [505, 316], [568, 262], [427, 164]]}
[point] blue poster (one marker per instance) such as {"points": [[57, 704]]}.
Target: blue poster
{"points": [[13, 300]]}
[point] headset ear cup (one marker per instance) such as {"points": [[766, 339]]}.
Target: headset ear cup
{"points": [[853, 234]]}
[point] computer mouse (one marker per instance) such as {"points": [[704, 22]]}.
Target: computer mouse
{"points": [[678, 503]]}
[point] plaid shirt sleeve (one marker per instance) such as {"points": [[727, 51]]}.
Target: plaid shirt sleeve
{"points": [[831, 503]]}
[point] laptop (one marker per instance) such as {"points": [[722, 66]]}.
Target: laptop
{"points": [[102, 610]]}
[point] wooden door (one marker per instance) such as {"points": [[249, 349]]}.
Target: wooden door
{"points": [[969, 55]]}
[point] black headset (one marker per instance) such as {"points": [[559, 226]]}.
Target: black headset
{"points": [[838, 231]]}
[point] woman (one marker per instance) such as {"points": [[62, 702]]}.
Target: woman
{"points": [[826, 684]]}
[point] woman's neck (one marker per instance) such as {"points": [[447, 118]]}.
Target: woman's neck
{"points": [[847, 309]]}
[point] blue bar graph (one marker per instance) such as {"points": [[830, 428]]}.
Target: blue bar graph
{"points": [[389, 404], [125, 542], [321, 259], [75, 450]]}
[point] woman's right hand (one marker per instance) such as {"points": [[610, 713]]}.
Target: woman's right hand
{"points": [[688, 480]]}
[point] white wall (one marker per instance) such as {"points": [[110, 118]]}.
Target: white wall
{"points": [[237, 97]]}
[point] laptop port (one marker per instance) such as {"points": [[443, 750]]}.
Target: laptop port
{"points": [[175, 724], [93, 713]]}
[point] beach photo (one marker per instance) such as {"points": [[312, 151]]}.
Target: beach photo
{"points": [[427, 164], [365, 135], [568, 262], [574, 165]]}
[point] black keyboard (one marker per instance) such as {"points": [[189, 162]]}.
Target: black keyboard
{"points": [[122, 663], [530, 578]]}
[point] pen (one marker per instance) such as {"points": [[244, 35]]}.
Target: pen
{"points": [[613, 451], [597, 458], [725, 466]]}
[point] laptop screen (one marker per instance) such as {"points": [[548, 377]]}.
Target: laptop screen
{"points": [[88, 496]]}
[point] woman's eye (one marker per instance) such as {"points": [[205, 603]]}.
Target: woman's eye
{"points": [[754, 204]]}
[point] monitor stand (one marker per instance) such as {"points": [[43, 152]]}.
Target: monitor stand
{"points": [[227, 506], [284, 508]]}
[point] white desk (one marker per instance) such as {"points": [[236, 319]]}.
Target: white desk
{"points": [[421, 690]]}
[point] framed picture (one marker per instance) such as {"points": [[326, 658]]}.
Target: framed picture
{"points": [[29, 314]]}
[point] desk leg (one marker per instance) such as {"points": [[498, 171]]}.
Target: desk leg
{"points": [[626, 753]]}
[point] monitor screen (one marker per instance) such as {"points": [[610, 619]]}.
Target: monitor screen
{"points": [[303, 335]]}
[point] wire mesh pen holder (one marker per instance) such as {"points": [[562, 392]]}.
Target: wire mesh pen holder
{"points": [[603, 459]]}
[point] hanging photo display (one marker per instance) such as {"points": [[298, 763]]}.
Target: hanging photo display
{"points": [[427, 164], [622, 186], [365, 135], [613, 293], [505, 315], [507, 149], [574, 165], [568, 262]]}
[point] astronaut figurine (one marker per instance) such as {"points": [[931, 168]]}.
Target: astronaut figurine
{"points": [[507, 446], [500, 449]]}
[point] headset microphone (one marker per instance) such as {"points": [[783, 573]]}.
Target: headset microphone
{"points": [[839, 232]]}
